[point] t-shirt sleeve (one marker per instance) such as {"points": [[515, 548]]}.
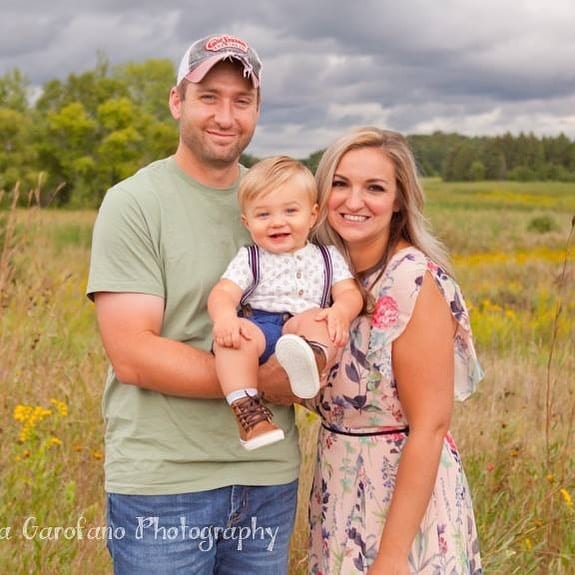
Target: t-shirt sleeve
{"points": [[341, 270], [125, 255], [239, 271]]}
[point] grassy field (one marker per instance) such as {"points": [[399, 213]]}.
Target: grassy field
{"points": [[509, 245]]}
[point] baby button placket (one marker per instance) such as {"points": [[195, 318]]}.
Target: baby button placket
{"points": [[299, 274]]}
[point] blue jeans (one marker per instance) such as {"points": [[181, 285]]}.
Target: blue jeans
{"points": [[232, 530]]}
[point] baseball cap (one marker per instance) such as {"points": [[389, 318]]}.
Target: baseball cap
{"points": [[202, 55]]}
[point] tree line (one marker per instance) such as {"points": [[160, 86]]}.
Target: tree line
{"points": [[82, 134]]}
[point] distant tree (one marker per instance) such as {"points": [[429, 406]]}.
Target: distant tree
{"points": [[248, 160], [493, 160], [571, 158], [90, 88], [530, 152], [508, 146], [558, 150], [99, 126], [66, 146], [116, 113], [160, 140], [459, 161], [14, 91], [522, 174], [557, 173], [431, 151], [312, 161], [148, 85], [17, 155], [476, 171]]}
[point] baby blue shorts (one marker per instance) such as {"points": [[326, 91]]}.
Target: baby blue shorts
{"points": [[271, 324]]}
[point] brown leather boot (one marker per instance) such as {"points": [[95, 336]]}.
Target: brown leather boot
{"points": [[255, 423]]}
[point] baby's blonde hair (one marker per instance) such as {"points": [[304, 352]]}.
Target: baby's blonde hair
{"points": [[269, 174]]}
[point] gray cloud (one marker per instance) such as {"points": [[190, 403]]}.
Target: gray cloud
{"points": [[417, 66]]}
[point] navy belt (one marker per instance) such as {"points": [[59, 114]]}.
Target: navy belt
{"points": [[367, 433]]}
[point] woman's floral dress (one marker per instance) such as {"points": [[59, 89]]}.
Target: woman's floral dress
{"points": [[355, 475]]}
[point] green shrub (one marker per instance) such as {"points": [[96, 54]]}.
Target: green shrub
{"points": [[542, 224]]}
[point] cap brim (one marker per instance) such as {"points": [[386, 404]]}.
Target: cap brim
{"points": [[199, 72]]}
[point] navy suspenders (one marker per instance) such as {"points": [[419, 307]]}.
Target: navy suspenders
{"points": [[254, 263], [327, 275]]}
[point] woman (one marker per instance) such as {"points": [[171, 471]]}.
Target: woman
{"points": [[389, 493]]}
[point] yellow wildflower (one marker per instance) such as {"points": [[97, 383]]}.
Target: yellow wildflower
{"points": [[97, 454], [60, 406], [527, 544], [510, 314], [29, 417], [567, 498], [54, 441], [22, 412]]}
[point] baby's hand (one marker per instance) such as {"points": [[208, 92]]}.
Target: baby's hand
{"points": [[227, 332], [337, 325]]}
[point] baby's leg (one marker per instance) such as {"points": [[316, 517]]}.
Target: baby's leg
{"points": [[237, 369], [304, 351], [315, 332]]}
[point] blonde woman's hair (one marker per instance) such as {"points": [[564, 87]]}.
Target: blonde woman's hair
{"points": [[408, 223], [269, 174]]}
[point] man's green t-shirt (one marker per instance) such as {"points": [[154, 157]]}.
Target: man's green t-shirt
{"points": [[160, 232]]}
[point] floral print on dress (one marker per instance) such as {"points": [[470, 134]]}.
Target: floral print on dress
{"points": [[355, 475], [385, 314]]}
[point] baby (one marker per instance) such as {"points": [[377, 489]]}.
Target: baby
{"points": [[272, 283]]}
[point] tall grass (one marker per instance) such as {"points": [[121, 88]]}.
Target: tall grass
{"points": [[516, 434], [51, 369]]}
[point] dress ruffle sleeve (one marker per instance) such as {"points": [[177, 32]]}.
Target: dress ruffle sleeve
{"points": [[396, 296]]}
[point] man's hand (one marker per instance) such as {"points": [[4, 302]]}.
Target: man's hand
{"points": [[274, 383]]}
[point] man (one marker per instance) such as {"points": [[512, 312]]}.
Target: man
{"points": [[183, 496]]}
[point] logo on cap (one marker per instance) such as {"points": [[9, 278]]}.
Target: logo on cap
{"points": [[218, 43]]}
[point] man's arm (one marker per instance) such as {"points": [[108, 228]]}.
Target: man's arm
{"points": [[273, 382], [130, 326]]}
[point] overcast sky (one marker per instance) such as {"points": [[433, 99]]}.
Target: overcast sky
{"points": [[469, 66]]}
